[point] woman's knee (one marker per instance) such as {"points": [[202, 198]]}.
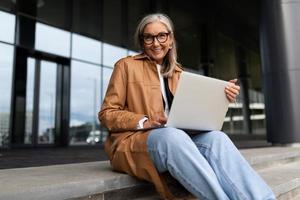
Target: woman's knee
{"points": [[174, 135], [218, 134], [212, 137], [168, 136]]}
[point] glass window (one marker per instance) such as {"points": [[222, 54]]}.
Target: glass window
{"points": [[87, 17], [111, 54], [52, 40], [106, 77], [6, 66], [225, 62], [47, 103], [85, 48], [7, 23], [85, 103], [225, 68], [256, 96], [29, 100]]}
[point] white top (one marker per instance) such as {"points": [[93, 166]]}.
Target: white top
{"points": [[163, 91]]}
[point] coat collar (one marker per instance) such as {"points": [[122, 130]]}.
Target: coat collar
{"points": [[144, 56]]}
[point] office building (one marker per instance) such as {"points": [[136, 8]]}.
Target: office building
{"points": [[56, 58]]}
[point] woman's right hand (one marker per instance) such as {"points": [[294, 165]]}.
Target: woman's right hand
{"points": [[149, 123]]}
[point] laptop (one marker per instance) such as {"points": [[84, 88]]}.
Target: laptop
{"points": [[199, 103]]}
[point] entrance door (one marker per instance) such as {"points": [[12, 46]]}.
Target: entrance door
{"points": [[41, 111], [41, 89]]}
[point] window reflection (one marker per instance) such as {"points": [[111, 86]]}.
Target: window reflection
{"points": [[29, 100], [6, 63], [47, 103], [111, 54], [85, 103], [52, 40], [85, 48], [226, 67], [7, 27]]}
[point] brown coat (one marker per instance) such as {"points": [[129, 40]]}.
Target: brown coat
{"points": [[134, 92]]}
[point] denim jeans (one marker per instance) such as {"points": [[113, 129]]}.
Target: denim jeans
{"points": [[207, 164]]}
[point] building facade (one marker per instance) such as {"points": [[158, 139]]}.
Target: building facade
{"points": [[56, 58]]}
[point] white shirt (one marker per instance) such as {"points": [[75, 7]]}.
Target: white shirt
{"points": [[163, 90]]}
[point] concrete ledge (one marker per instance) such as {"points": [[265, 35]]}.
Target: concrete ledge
{"points": [[84, 180], [267, 157], [283, 179], [62, 181]]}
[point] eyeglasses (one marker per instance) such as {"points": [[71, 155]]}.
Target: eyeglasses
{"points": [[160, 37]]}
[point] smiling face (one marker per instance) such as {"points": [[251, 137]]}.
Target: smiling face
{"points": [[159, 48]]}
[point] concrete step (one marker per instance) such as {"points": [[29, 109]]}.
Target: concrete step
{"points": [[297, 197], [95, 180], [62, 181], [284, 179], [260, 158]]}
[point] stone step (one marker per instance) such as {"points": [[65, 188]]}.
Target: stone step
{"points": [[95, 180], [284, 179], [260, 158], [297, 197]]}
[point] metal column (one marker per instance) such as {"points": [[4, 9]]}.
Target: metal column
{"points": [[280, 47]]}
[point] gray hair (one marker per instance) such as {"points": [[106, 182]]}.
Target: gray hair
{"points": [[170, 61]]}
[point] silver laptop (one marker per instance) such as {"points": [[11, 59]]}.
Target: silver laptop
{"points": [[199, 103]]}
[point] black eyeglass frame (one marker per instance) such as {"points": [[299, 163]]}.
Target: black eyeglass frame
{"points": [[153, 37]]}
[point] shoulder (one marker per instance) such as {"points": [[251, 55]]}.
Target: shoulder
{"points": [[130, 66], [123, 61], [129, 61]]}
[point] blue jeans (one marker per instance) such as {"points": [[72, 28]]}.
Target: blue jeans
{"points": [[207, 164]]}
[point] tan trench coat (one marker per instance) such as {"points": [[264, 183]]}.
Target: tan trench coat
{"points": [[134, 92]]}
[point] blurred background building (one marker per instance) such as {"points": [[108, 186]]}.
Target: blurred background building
{"points": [[56, 58]]}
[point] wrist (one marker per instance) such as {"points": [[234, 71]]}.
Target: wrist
{"points": [[141, 123]]}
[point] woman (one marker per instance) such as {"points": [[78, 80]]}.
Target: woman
{"points": [[139, 96]]}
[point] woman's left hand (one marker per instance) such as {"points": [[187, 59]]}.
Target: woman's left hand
{"points": [[232, 90]]}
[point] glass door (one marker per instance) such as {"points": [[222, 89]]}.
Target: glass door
{"points": [[47, 102], [41, 101]]}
